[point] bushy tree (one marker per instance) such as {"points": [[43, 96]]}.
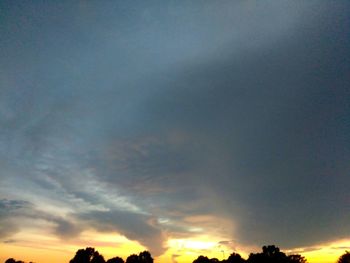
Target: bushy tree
{"points": [[87, 255], [345, 258], [270, 254], [115, 260], [145, 257], [83, 255], [202, 259], [97, 258], [235, 258], [132, 259], [12, 260]]}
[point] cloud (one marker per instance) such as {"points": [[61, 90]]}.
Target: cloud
{"points": [[13, 215], [266, 121], [9, 209], [228, 243], [306, 249], [138, 227], [10, 241], [7, 228], [237, 126]]}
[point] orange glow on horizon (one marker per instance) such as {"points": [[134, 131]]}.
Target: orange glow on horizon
{"points": [[39, 248], [30, 246], [328, 252]]}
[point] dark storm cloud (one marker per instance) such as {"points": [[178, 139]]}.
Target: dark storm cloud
{"points": [[278, 116], [140, 117]]}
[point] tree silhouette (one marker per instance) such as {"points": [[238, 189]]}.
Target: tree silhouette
{"points": [[273, 252], [270, 254], [132, 259], [145, 257], [87, 255], [83, 255], [115, 260], [202, 259], [235, 258], [97, 258], [345, 258], [12, 260]]}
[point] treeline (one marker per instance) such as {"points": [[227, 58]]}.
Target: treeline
{"points": [[269, 254], [90, 255]]}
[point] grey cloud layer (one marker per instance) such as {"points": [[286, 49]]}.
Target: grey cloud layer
{"points": [[128, 115], [138, 227], [14, 212]]}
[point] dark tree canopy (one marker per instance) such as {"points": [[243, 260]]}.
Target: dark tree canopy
{"points": [[115, 260], [145, 257], [132, 259], [87, 255], [202, 259], [12, 260], [345, 258], [90, 255], [272, 254], [235, 258], [97, 258], [83, 255], [269, 254]]}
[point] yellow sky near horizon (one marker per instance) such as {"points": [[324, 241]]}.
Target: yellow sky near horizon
{"points": [[43, 248]]}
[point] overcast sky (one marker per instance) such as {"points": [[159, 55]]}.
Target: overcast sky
{"points": [[159, 119]]}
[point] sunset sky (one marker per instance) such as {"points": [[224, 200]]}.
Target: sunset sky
{"points": [[178, 127]]}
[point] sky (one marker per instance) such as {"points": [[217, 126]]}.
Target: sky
{"points": [[180, 127]]}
